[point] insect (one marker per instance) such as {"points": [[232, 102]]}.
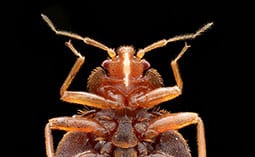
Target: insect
{"points": [[123, 93]]}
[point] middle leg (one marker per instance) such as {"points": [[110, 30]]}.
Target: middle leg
{"points": [[175, 121]]}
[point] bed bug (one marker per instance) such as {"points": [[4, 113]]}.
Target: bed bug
{"points": [[122, 93]]}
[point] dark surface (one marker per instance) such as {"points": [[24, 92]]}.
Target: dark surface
{"points": [[215, 71]]}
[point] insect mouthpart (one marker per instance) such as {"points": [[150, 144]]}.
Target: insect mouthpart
{"points": [[126, 49]]}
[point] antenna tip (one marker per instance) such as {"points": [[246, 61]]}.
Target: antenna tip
{"points": [[208, 25]]}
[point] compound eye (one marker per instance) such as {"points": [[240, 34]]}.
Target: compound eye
{"points": [[105, 64], [145, 63]]}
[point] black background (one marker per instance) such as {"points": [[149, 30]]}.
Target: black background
{"points": [[215, 70]]}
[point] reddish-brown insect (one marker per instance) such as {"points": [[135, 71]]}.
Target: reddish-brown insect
{"points": [[123, 92]]}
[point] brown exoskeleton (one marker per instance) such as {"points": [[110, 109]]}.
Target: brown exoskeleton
{"points": [[121, 92]]}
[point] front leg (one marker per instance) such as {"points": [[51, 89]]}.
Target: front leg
{"points": [[175, 121], [82, 98], [164, 94]]}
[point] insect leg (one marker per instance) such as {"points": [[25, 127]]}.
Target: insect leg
{"points": [[164, 42], [70, 124], [90, 99], [49, 141], [177, 121], [175, 67], [76, 67], [82, 98], [86, 40], [163, 94]]}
